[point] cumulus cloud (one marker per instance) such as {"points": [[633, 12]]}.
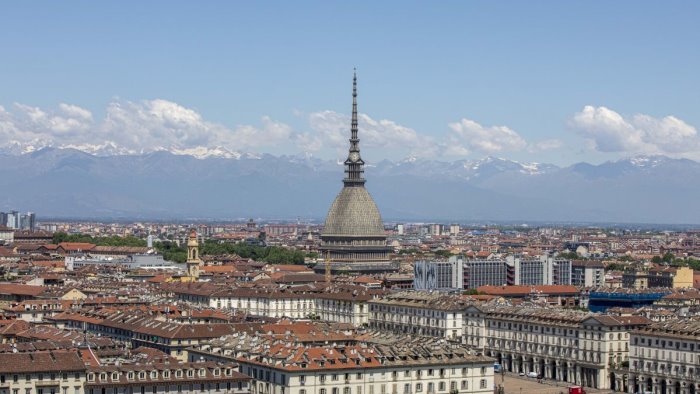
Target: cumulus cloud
{"points": [[333, 129], [491, 139], [151, 125], [135, 127], [609, 131]]}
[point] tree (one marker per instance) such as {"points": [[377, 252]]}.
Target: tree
{"points": [[668, 257], [444, 253]]}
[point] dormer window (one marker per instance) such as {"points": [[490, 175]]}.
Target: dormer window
{"points": [[91, 377], [178, 373], [166, 374], [142, 375], [154, 374], [130, 376], [202, 372], [190, 373], [216, 372]]}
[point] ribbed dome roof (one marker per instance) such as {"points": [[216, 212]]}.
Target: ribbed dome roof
{"points": [[353, 213]]}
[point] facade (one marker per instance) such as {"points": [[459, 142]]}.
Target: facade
{"points": [[69, 372], [167, 378], [668, 277], [420, 313], [439, 275], [353, 236], [541, 271], [340, 303], [42, 372], [487, 272], [563, 345], [368, 369], [73, 262], [515, 270], [664, 359], [586, 273]]}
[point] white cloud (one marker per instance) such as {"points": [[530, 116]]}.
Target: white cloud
{"points": [[333, 129], [150, 125], [608, 131], [133, 126], [545, 145], [489, 140]]}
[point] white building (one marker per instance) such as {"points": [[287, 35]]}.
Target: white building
{"points": [[337, 303], [421, 313], [367, 369], [565, 345], [664, 359]]}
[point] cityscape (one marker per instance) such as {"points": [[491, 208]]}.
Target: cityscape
{"points": [[159, 252]]}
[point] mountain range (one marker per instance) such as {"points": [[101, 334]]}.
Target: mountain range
{"points": [[106, 182]]}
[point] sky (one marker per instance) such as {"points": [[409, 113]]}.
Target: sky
{"points": [[543, 81]]}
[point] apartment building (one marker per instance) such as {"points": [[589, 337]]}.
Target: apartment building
{"points": [[666, 277], [664, 359], [42, 372], [70, 372], [342, 303], [140, 329], [167, 378], [587, 273], [564, 345], [421, 313], [368, 369]]}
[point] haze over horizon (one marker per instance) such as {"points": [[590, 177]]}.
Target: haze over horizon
{"points": [[547, 82]]}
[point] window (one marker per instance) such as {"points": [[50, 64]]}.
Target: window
{"points": [[431, 387], [322, 391], [419, 387], [482, 384], [453, 386], [407, 388], [302, 391], [441, 386], [346, 390], [465, 385]]}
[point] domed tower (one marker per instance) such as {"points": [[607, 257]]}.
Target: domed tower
{"points": [[353, 236], [193, 260]]}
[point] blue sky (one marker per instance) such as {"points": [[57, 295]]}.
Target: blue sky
{"points": [[544, 81]]}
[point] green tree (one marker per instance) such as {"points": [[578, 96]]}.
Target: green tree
{"points": [[443, 253]]}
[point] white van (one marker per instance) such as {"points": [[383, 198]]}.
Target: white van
{"points": [[532, 374]]}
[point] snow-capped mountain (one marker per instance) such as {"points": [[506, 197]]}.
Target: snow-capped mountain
{"points": [[105, 181]]}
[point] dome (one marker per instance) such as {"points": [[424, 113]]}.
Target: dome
{"points": [[353, 213]]}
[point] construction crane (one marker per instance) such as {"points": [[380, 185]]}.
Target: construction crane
{"points": [[328, 267]]}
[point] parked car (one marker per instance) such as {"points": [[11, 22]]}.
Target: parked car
{"points": [[522, 374], [532, 375]]}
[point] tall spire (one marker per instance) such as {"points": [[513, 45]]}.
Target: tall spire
{"points": [[353, 126], [354, 165]]}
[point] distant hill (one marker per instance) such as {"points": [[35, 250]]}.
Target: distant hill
{"points": [[71, 183]]}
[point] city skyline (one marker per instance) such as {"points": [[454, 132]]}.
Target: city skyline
{"points": [[544, 82]]}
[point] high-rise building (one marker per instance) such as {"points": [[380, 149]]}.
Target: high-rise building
{"points": [[13, 220], [28, 221], [353, 236]]}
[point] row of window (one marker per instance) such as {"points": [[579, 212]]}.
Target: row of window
{"points": [[430, 388], [40, 377], [154, 374]]}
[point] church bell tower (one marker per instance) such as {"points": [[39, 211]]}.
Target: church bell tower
{"points": [[193, 260]]}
